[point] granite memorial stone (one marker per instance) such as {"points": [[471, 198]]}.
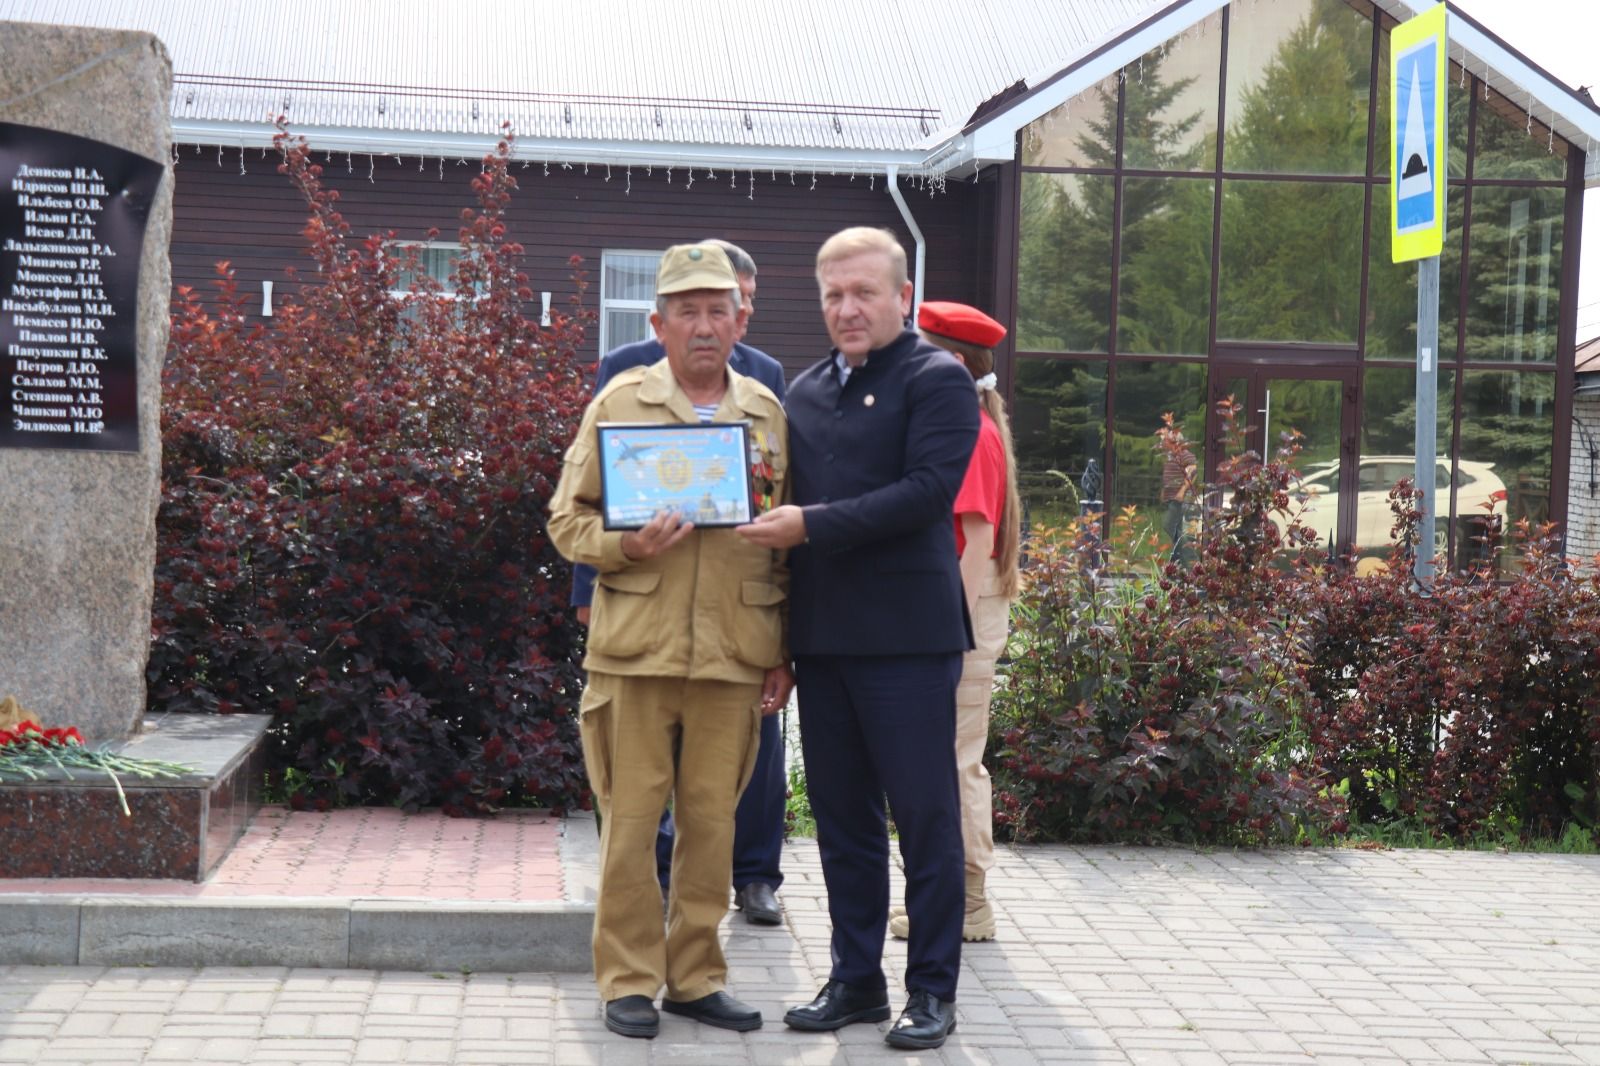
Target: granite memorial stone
{"points": [[85, 221]]}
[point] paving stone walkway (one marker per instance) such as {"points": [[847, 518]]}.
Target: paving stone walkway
{"points": [[1105, 955]]}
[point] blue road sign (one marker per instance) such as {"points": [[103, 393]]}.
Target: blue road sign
{"points": [[1417, 114]]}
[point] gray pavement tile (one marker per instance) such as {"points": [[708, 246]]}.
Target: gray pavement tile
{"points": [[1121, 955], [21, 1048], [165, 1049]]}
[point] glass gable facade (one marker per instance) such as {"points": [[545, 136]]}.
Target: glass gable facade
{"points": [[1213, 221]]}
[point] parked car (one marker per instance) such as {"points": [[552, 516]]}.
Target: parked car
{"points": [[1476, 485]]}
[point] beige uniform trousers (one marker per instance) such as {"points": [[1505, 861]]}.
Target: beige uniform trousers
{"points": [[646, 739], [989, 628]]}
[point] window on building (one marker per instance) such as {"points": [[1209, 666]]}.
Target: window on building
{"points": [[1165, 277], [627, 296], [1514, 305], [1392, 287], [1058, 423], [1156, 221], [430, 259], [1079, 133], [1291, 261], [1299, 81], [1064, 268], [1388, 453], [1146, 391], [1170, 106], [1513, 144]]}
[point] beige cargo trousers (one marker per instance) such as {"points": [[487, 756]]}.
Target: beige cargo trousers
{"points": [[990, 625], [645, 740]]}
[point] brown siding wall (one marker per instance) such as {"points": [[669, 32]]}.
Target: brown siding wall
{"points": [[253, 220]]}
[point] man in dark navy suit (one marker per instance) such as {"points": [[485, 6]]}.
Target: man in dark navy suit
{"points": [[880, 434], [759, 819]]}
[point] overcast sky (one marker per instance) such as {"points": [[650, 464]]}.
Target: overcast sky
{"points": [[1563, 37]]}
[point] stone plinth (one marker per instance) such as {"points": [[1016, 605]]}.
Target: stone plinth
{"points": [[70, 823], [76, 571]]}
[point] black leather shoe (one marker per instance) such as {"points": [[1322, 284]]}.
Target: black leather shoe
{"points": [[633, 1016], [839, 1005], [759, 903], [718, 1009], [925, 1022]]}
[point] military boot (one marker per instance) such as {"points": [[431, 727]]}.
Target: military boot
{"points": [[976, 924]]}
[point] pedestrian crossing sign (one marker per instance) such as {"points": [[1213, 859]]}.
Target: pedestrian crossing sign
{"points": [[1417, 144]]}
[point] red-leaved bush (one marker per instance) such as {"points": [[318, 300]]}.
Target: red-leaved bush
{"points": [[1173, 707], [351, 533], [1262, 692], [1474, 708]]}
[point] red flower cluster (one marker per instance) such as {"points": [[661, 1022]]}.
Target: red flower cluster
{"points": [[30, 733]]}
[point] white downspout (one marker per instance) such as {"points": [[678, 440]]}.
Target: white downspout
{"points": [[893, 177]]}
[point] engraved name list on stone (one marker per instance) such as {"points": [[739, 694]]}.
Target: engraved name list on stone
{"points": [[72, 221]]}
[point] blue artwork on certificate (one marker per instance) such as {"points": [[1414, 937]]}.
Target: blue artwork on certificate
{"points": [[700, 471]]}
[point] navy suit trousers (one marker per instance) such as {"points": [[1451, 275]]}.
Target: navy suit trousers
{"points": [[876, 726], [758, 820]]}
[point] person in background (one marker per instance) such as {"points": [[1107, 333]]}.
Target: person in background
{"points": [[685, 655], [880, 433], [1177, 475], [759, 821], [988, 529]]}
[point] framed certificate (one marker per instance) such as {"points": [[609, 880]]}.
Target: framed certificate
{"points": [[701, 471]]}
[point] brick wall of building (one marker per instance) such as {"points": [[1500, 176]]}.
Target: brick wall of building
{"points": [[1583, 502]]}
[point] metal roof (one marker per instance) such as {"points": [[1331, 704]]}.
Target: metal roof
{"points": [[834, 80], [819, 84]]}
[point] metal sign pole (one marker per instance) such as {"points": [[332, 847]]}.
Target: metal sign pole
{"points": [[1427, 412], [1417, 179]]}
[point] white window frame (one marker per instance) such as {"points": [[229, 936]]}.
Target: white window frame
{"points": [[396, 250], [610, 303]]}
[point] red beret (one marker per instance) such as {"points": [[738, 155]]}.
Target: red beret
{"points": [[960, 322]]}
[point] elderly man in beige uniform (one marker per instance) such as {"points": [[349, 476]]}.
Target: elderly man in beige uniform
{"points": [[686, 653]]}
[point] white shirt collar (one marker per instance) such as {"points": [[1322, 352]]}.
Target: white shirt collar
{"points": [[844, 366]]}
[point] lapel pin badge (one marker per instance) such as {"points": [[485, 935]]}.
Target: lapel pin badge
{"points": [[870, 400]]}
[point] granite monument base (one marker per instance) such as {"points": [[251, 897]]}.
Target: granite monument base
{"points": [[69, 823]]}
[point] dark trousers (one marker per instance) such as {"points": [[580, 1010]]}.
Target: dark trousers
{"points": [[871, 727], [758, 820]]}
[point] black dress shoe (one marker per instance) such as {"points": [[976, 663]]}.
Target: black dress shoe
{"points": [[759, 903], [718, 1009], [839, 1005], [633, 1016], [925, 1022]]}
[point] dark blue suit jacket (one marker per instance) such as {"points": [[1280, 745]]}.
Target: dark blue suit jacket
{"points": [[751, 362], [876, 464]]}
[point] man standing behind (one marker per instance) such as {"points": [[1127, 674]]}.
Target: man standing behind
{"points": [[880, 435], [759, 821], [685, 654], [1177, 475]]}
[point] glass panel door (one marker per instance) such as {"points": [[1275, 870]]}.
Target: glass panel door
{"points": [[1314, 408], [1318, 404]]}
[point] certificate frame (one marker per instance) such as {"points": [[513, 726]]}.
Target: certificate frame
{"points": [[700, 470]]}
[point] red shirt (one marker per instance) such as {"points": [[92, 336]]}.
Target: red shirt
{"points": [[983, 490]]}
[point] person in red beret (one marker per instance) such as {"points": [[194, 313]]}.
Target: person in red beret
{"points": [[988, 517]]}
